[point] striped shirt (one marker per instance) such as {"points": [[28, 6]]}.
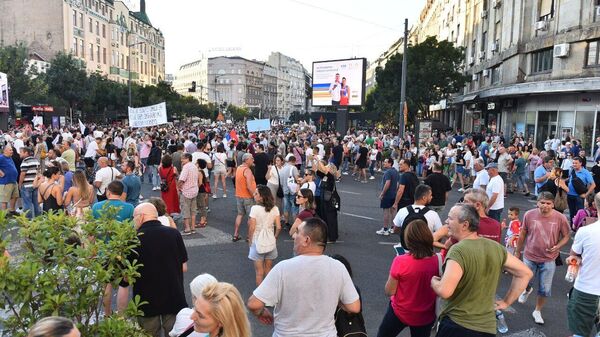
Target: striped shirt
{"points": [[29, 166]]}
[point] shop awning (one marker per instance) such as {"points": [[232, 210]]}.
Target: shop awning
{"points": [[465, 98]]}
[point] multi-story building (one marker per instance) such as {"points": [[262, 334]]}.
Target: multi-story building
{"points": [[291, 85], [235, 80], [105, 34], [269, 91], [535, 69], [190, 73]]}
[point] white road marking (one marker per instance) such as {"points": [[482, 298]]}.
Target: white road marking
{"points": [[387, 243], [359, 216], [348, 192]]}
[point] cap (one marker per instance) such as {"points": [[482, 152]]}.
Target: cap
{"points": [[247, 156], [491, 165]]}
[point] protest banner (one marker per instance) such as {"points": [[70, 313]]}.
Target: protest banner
{"points": [[258, 125], [148, 115]]}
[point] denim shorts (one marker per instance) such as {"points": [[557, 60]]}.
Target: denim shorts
{"points": [[244, 205], [255, 256], [543, 272], [289, 204]]}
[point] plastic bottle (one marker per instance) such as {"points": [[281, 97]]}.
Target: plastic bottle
{"points": [[501, 322], [572, 271]]}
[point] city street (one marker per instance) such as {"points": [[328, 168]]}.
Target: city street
{"points": [[211, 251]]}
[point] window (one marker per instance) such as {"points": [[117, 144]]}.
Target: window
{"points": [[546, 9], [483, 41], [74, 47], [91, 52], [496, 75], [104, 55], [91, 24], [541, 61], [74, 18], [113, 60], [98, 54], [104, 31], [97, 28], [82, 48], [81, 20], [592, 54]]}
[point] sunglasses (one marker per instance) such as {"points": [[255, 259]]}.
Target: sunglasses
{"points": [[299, 196]]}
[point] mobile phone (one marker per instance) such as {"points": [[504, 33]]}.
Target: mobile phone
{"points": [[399, 249]]}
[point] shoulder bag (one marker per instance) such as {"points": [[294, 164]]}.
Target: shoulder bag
{"points": [[279, 188], [578, 185]]}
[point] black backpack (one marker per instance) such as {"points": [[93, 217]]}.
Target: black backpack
{"points": [[413, 214]]}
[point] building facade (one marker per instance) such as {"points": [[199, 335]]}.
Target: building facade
{"points": [[105, 34], [235, 80], [190, 73], [291, 85], [269, 91]]}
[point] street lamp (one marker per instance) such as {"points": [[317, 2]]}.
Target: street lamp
{"points": [[129, 65]]}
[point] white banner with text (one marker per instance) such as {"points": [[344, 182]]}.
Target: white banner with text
{"points": [[148, 115]]}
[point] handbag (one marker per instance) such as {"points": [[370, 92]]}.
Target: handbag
{"points": [[349, 325], [279, 188], [164, 184], [438, 300], [332, 197], [578, 185], [560, 201]]}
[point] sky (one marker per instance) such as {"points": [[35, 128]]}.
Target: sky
{"points": [[307, 30]]}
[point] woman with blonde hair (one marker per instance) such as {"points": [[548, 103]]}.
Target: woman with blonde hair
{"points": [[183, 323], [54, 326], [80, 196], [220, 311]]}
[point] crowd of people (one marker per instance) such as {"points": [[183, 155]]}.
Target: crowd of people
{"points": [[286, 179]]}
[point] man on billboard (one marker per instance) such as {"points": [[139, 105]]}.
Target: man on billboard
{"points": [[334, 91]]}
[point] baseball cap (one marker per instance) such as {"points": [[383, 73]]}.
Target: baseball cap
{"points": [[491, 165]]}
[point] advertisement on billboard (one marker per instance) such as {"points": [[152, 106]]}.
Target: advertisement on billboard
{"points": [[339, 82], [3, 93]]}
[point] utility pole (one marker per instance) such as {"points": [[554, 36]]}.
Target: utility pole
{"points": [[403, 86]]}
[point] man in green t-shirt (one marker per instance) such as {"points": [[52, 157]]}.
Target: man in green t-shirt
{"points": [[471, 274]]}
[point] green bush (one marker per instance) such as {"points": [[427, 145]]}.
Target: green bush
{"points": [[50, 275]]}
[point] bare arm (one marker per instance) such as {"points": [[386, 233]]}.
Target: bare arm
{"points": [[294, 227], [445, 286], [69, 196], [251, 229], [249, 181], [385, 188], [521, 276], [58, 194], [353, 308], [391, 286], [399, 195], [521, 242], [277, 227]]}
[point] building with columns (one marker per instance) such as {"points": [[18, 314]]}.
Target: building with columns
{"points": [[105, 34]]}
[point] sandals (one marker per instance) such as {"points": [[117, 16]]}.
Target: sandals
{"points": [[202, 224], [186, 233], [236, 238]]}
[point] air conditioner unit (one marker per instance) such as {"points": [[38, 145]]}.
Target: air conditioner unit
{"points": [[494, 47], [561, 50], [471, 60], [541, 25], [486, 72], [497, 3], [475, 77], [481, 55], [483, 14], [597, 10]]}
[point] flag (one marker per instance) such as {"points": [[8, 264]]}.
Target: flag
{"points": [[81, 126]]}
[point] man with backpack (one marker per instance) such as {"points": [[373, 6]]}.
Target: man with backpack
{"points": [[417, 211]]}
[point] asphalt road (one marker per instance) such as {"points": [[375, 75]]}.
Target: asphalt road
{"points": [[211, 251]]}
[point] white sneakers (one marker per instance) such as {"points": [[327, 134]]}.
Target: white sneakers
{"points": [[384, 232], [537, 317], [214, 196], [224, 195], [461, 189], [372, 178], [525, 295]]}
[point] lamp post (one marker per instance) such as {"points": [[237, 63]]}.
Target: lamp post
{"points": [[129, 66]]}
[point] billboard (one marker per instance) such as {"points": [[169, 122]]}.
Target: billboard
{"points": [[3, 93], [339, 82]]}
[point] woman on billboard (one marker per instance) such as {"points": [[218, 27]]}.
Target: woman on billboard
{"points": [[344, 93]]}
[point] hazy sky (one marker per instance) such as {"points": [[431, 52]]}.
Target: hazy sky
{"points": [[307, 30]]}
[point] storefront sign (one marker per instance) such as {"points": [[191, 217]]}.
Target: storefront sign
{"points": [[425, 130], [42, 108], [491, 106]]}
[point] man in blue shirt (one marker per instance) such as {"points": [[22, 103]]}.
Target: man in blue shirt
{"points": [[543, 172], [131, 183], [9, 191], [389, 186], [113, 199], [574, 199]]}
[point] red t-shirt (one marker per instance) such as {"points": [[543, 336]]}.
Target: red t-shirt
{"points": [[490, 229], [305, 214], [414, 301]]}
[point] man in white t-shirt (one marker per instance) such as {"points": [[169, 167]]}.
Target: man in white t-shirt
{"points": [[91, 152], [495, 191], [334, 90], [584, 301], [104, 176], [482, 178], [199, 154], [423, 196], [304, 304]]}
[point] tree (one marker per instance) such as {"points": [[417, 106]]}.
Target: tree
{"points": [[435, 70], [237, 113], [62, 269], [68, 80], [26, 85]]}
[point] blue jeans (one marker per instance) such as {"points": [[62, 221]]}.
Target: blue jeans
{"points": [[575, 204], [289, 205], [30, 204], [345, 164], [543, 272], [391, 325], [144, 162], [372, 168], [155, 178], [496, 214]]}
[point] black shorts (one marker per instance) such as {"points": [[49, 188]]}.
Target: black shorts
{"points": [[230, 163]]}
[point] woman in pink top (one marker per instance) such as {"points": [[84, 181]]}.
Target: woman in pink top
{"points": [[412, 301]]}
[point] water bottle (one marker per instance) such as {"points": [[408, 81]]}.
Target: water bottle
{"points": [[501, 322], [572, 271]]}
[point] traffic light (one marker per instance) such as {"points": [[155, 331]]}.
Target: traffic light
{"points": [[193, 88]]}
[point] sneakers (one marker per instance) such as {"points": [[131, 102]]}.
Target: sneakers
{"points": [[345, 173], [224, 195], [372, 178], [214, 196], [537, 317], [383, 231], [525, 295], [461, 189]]}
